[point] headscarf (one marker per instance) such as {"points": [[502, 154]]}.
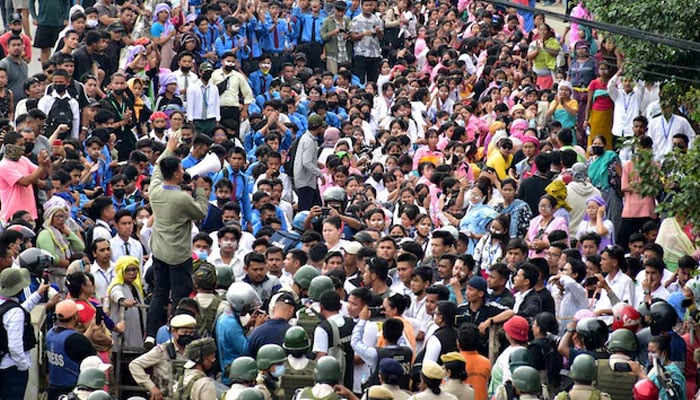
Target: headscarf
{"points": [[167, 25], [518, 127], [164, 80], [598, 200], [331, 137], [579, 172], [139, 104], [120, 268], [567, 85], [694, 286], [557, 189], [132, 52], [533, 140], [51, 207]]}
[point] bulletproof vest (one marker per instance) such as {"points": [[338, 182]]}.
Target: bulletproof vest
{"points": [[306, 394], [448, 339], [617, 384], [206, 320], [403, 355], [294, 379], [63, 371], [345, 332], [177, 369], [28, 338], [308, 321], [186, 392], [595, 395]]}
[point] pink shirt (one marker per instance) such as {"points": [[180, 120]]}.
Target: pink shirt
{"points": [[532, 233], [635, 206], [13, 196]]}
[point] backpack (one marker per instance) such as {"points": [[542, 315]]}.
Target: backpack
{"points": [[206, 321], [335, 350], [285, 240], [291, 155], [60, 113]]}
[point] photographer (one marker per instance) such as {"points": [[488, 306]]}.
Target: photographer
{"points": [[334, 32]]}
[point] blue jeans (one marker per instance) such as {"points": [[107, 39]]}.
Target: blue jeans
{"points": [[14, 383], [172, 282]]}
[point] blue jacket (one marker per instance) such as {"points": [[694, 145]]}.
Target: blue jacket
{"points": [[259, 82], [243, 189], [268, 44], [231, 342]]}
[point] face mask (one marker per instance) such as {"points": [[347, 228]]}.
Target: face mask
{"points": [[495, 232], [16, 31], [366, 115], [265, 68], [685, 303], [184, 340], [60, 88], [119, 193], [231, 244], [13, 152], [277, 371], [432, 63], [186, 70], [143, 221], [652, 357], [476, 199], [332, 105], [597, 150], [222, 199], [228, 67], [28, 147], [160, 129], [91, 23], [118, 92], [187, 141], [201, 254], [298, 353], [377, 176], [206, 75]]}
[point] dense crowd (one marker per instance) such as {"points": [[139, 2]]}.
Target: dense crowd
{"points": [[362, 199]]}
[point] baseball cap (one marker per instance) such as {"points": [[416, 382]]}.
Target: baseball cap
{"points": [[477, 283], [66, 309], [432, 370], [94, 362], [15, 17], [389, 366], [116, 26], [517, 327], [352, 247], [299, 56], [205, 66], [316, 121], [286, 298]]}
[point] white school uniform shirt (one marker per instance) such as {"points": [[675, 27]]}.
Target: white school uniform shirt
{"points": [[195, 96], [662, 130]]}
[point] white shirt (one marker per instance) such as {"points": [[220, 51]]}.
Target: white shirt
{"points": [[102, 279], [659, 293], [195, 96], [101, 230], [362, 372], [236, 263], [185, 80], [119, 249], [623, 287], [661, 132], [12, 322], [573, 298], [46, 102], [626, 108], [321, 342], [519, 297]]}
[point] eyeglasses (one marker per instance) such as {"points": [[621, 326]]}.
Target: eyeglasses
{"points": [[545, 207]]}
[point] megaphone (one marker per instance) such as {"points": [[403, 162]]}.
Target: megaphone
{"points": [[210, 164]]}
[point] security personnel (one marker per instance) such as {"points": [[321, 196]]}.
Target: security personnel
{"points": [[326, 375], [431, 375], [167, 359], [307, 317], [247, 394], [65, 350], [583, 371], [195, 384], [379, 393], [301, 281], [298, 369], [99, 395], [231, 338], [242, 374], [271, 358], [224, 279], [391, 374], [211, 305], [519, 357], [89, 380], [455, 364], [618, 384], [526, 381]]}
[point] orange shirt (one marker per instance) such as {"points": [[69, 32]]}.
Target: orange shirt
{"points": [[478, 373]]}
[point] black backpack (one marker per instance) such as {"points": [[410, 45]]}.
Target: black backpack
{"points": [[60, 113], [291, 155]]}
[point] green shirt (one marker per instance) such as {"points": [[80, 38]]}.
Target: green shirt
{"points": [[51, 12], [174, 210]]}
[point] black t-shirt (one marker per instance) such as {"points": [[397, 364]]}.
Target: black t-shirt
{"points": [[83, 62], [531, 190], [547, 300]]}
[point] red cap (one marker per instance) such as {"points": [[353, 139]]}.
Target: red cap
{"points": [[517, 327]]}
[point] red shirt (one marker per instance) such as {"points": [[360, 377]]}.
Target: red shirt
{"points": [[25, 40]]}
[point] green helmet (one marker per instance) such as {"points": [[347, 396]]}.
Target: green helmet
{"points": [[92, 378], [204, 277], [327, 370], [526, 380], [319, 285], [520, 357], [296, 339], [99, 395], [224, 276], [200, 348], [623, 340], [583, 368], [304, 275], [249, 394], [270, 354], [243, 369]]}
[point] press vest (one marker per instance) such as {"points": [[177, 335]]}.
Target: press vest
{"points": [[63, 371]]}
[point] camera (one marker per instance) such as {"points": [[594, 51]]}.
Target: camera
{"points": [[622, 367], [376, 312], [325, 211]]}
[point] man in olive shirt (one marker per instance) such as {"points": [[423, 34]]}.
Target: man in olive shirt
{"points": [[171, 242]]}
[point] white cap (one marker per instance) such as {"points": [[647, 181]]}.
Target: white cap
{"points": [[94, 362]]}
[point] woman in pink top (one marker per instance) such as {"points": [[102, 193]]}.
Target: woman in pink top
{"points": [[428, 152], [541, 226], [636, 210]]}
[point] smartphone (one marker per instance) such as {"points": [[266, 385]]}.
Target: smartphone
{"points": [[58, 142], [325, 211], [99, 317], [622, 367], [45, 277]]}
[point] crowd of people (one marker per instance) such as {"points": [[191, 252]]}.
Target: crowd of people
{"points": [[356, 199]]}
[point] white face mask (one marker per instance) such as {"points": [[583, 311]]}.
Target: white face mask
{"points": [[143, 221], [91, 23]]}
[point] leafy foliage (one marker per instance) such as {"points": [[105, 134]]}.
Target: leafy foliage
{"points": [[672, 18]]}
